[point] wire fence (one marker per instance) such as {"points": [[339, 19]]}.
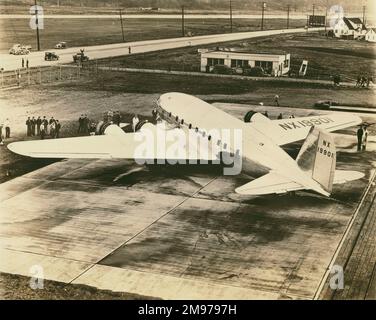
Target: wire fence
{"points": [[31, 76], [95, 69]]}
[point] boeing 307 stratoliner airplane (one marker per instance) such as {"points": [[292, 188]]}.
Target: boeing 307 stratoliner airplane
{"points": [[261, 141]]}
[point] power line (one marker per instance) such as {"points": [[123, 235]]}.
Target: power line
{"points": [[262, 15], [122, 27], [364, 14], [37, 24], [231, 16], [182, 21]]}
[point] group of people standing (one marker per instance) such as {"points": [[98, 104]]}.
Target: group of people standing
{"points": [[25, 63], [83, 124], [112, 116], [42, 127]]}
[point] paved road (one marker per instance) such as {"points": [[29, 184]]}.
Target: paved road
{"points": [[155, 16], [11, 62]]}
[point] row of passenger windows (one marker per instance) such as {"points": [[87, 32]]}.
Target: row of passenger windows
{"points": [[197, 130]]}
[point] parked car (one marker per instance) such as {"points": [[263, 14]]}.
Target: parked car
{"points": [[51, 56], [221, 69], [254, 72], [61, 45], [80, 57], [19, 49], [325, 104]]}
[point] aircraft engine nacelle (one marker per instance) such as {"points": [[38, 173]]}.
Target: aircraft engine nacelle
{"points": [[259, 118], [248, 116], [114, 130], [129, 127], [265, 125]]}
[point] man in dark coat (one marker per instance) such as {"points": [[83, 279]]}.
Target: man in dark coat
{"points": [[86, 124], [80, 123], [359, 134], [45, 124], [39, 123], [28, 125], [57, 129], [116, 118], [33, 124]]}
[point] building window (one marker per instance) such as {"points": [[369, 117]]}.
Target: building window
{"points": [[286, 63], [266, 65], [213, 62], [239, 63]]}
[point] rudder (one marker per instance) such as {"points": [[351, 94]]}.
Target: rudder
{"points": [[317, 157]]}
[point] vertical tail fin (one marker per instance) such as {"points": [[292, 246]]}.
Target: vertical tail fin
{"points": [[317, 157]]}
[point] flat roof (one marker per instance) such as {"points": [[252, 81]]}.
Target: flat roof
{"points": [[246, 52]]}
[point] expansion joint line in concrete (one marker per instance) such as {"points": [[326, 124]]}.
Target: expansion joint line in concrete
{"points": [[339, 247], [137, 234]]}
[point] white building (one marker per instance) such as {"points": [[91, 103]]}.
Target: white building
{"points": [[349, 28], [272, 64], [371, 35]]}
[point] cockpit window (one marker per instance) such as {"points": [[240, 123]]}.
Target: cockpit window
{"points": [[169, 114]]}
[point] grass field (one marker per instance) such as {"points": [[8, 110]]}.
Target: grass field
{"points": [[326, 56], [85, 32], [301, 95], [16, 287]]}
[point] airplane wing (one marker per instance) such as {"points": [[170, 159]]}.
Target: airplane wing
{"points": [[287, 131], [81, 147], [115, 143]]}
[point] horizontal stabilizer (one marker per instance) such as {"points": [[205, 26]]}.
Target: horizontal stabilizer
{"points": [[342, 176], [267, 184]]}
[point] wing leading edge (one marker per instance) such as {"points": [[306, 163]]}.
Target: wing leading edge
{"points": [[287, 131]]}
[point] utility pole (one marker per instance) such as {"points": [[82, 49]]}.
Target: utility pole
{"points": [[37, 24], [122, 27], [313, 10], [231, 16], [326, 16], [262, 15], [182, 22], [364, 15], [288, 16]]}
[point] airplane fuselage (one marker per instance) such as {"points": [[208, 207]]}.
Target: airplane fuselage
{"points": [[260, 154]]}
